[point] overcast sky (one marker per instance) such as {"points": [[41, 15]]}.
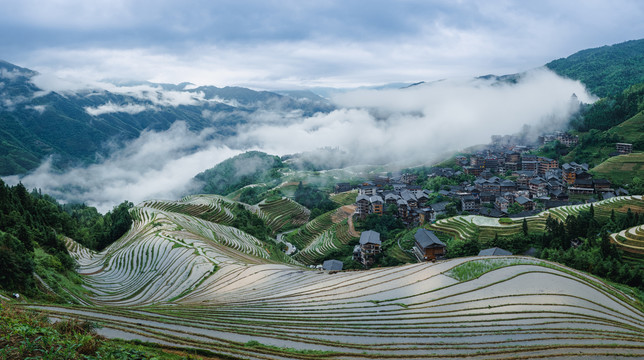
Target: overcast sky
{"points": [[292, 44]]}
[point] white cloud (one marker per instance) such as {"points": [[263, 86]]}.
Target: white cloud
{"points": [[114, 108], [38, 108], [157, 165], [417, 124], [423, 122]]}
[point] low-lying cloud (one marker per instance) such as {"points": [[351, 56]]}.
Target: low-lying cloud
{"points": [[411, 125], [422, 122], [110, 107], [157, 165]]}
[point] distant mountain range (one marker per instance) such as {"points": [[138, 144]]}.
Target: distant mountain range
{"points": [[81, 126]]}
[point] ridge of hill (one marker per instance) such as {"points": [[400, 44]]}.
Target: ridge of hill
{"points": [[77, 126], [605, 70]]}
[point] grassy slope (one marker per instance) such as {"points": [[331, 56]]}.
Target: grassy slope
{"points": [[630, 131], [620, 169]]}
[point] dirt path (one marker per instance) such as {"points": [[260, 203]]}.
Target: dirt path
{"points": [[350, 209]]}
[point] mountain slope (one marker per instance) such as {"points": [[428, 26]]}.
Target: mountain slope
{"points": [[78, 126], [180, 280], [606, 70]]}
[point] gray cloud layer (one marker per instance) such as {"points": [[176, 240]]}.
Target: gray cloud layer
{"points": [[283, 44], [416, 124]]}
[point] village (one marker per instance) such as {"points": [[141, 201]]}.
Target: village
{"points": [[503, 180]]}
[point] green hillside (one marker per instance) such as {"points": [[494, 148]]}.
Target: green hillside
{"points": [[35, 125], [621, 169], [611, 120], [606, 70]]}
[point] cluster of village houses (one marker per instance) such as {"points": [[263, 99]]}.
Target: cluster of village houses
{"points": [[427, 247], [537, 179]]}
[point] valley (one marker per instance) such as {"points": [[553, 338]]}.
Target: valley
{"points": [[326, 223]]}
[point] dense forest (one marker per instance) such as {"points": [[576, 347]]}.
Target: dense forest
{"points": [[606, 70], [611, 110], [315, 200], [31, 221]]}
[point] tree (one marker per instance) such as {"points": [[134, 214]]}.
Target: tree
{"points": [[524, 227], [515, 208], [17, 264], [605, 244]]}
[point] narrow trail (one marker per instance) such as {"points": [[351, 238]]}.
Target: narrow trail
{"points": [[350, 209]]}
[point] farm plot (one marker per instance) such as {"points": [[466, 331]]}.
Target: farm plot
{"points": [[165, 255], [307, 233], [283, 213], [324, 243], [630, 240], [493, 308], [484, 228], [209, 207]]}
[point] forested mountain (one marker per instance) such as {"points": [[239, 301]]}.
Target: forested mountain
{"points": [[31, 226], [606, 70], [81, 125], [251, 167]]}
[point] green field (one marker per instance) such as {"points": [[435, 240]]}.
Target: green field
{"points": [[621, 169]]}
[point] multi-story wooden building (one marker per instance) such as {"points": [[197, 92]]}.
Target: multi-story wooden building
{"points": [[427, 246], [369, 247]]}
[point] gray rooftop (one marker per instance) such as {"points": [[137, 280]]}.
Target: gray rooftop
{"points": [[370, 237], [494, 251], [426, 238], [522, 200], [333, 265]]}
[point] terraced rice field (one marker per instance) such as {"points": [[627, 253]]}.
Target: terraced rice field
{"points": [[282, 213], [484, 228], [183, 281], [630, 240], [314, 228], [332, 239], [213, 208]]}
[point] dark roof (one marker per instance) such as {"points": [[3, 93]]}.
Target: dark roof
{"points": [[494, 251], [522, 200], [375, 198], [392, 196], [507, 183], [601, 181], [408, 195], [491, 212], [531, 252], [370, 237], [440, 206], [607, 195], [537, 181], [583, 182], [426, 238], [333, 265], [362, 197]]}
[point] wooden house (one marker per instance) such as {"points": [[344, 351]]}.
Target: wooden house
{"points": [[370, 246], [428, 247]]}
